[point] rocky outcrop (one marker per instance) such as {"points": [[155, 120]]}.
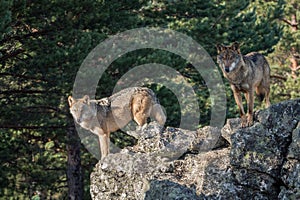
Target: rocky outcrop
{"points": [[259, 162]]}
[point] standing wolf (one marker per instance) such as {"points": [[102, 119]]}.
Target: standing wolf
{"points": [[109, 114], [245, 73]]}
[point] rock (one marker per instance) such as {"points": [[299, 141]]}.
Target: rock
{"points": [[146, 132], [286, 194], [262, 149], [290, 172], [172, 143], [210, 173], [290, 175], [257, 149], [230, 127], [125, 176], [165, 189], [294, 149], [208, 138], [258, 162]]}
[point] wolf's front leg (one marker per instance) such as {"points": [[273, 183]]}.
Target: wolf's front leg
{"points": [[104, 145], [250, 104], [239, 101], [103, 141]]}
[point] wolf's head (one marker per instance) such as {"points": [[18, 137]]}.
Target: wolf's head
{"points": [[229, 57], [82, 109]]}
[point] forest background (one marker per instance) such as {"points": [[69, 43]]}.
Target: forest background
{"points": [[43, 43]]}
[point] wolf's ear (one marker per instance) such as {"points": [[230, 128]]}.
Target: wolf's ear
{"points": [[220, 47], [235, 47], [86, 99], [71, 100]]}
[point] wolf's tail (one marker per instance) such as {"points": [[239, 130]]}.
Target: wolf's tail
{"points": [[158, 114]]}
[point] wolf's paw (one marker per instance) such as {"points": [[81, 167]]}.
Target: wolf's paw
{"points": [[250, 121], [247, 121], [244, 121]]}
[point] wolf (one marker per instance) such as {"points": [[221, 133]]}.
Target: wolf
{"points": [[245, 74], [109, 114]]}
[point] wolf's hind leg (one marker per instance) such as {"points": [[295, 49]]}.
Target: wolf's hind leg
{"points": [[260, 93], [263, 93], [267, 99]]}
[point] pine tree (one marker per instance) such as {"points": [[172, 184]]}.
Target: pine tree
{"points": [[42, 45]]}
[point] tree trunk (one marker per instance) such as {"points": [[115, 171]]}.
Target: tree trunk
{"points": [[294, 66], [293, 23], [294, 63], [74, 170]]}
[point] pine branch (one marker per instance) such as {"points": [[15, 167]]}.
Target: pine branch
{"points": [[293, 23], [279, 77], [25, 36], [23, 76], [11, 55], [18, 127], [287, 21], [217, 20], [43, 107], [10, 92]]}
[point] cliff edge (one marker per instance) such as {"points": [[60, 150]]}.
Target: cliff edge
{"points": [[259, 162]]}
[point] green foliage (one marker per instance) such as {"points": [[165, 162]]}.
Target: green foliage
{"points": [[5, 15], [43, 43]]}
